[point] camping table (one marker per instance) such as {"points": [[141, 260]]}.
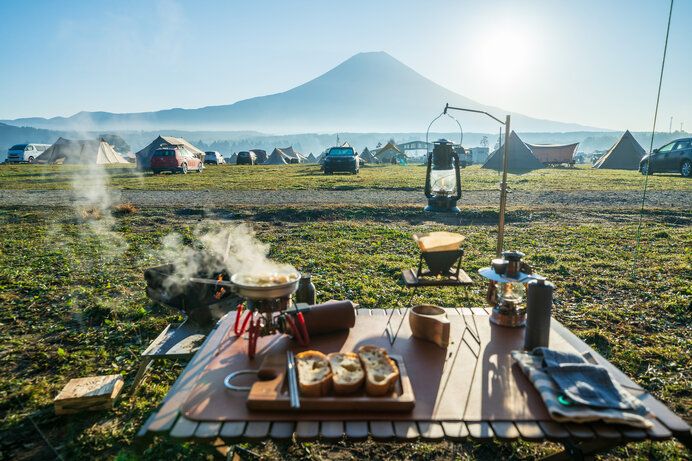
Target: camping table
{"points": [[578, 439]]}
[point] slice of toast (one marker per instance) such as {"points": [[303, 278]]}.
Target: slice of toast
{"points": [[314, 373], [348, 372], [381, 372]]}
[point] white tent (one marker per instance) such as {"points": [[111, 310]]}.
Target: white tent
{"points": [[275, 158], [80, 151]]}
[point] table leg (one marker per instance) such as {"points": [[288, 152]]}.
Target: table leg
{"points": [[389, 329], [143, 368]]}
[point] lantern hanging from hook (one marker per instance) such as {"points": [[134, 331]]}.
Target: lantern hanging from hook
{"points": [[443, 177]]}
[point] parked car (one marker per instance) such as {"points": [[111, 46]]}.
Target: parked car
{"points": [[341, 159], [214, 157], [672, 157], [175, 159], [25, 152], [246, 158]]}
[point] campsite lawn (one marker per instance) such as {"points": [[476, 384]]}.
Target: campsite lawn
{"points": [[72, 304], [309, 176]]}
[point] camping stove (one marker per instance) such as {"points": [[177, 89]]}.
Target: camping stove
{"points": [[271, 316], [269, 309]]}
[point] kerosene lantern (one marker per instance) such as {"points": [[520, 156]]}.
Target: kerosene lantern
{"points": [[442, 179], [505, 294]]}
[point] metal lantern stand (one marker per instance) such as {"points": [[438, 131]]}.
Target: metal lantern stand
{"points": [[503, 194]]}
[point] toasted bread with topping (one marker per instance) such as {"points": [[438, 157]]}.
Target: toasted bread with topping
{"points": [[314, 373], [348, 372], [381, 372]]}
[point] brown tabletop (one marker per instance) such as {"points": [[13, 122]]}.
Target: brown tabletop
{"points": [[482, 418]]}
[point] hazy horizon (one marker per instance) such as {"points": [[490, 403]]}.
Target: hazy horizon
{"points": [[589, 63]]}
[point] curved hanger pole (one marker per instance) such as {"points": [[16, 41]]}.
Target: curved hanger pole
{"points": [[461, 131]]}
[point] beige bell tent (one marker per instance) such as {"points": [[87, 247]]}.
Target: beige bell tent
{"points": [[90, 151], [390, 154], [554, 153], [144, 155], [290, 155], [275, 158], [624, 155], [519, 156]]}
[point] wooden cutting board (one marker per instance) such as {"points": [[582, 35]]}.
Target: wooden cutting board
{"points": [[272, 394]]}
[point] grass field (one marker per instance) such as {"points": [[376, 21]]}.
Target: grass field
{"points": [[233, 177], [72, 302]]}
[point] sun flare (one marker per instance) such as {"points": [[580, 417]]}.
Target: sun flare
{"points": [[506, 56]]}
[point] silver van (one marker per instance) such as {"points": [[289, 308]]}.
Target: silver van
{"points": [[25, 152]]}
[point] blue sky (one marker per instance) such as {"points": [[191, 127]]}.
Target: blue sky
{"points": [[591, 62]]}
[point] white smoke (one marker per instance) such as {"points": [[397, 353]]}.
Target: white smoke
{"points": [[216, 247]]}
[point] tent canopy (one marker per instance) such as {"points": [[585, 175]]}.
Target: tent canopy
{"points": [[519, 156], [276, 158], [311, 158], [389, 152], [289, 155], [624, 155], [553, 153], [367, 156], [90, 151], [144, 155]]}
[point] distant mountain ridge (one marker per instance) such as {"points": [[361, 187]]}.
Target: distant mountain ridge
{"points": [[369, 92]]}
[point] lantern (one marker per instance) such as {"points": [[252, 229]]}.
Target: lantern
{"points": [[443, 180], [505, 294]]}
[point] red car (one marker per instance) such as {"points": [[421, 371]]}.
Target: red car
{"points": [[175, 158]]}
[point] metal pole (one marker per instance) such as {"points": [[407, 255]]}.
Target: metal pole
{"points": [[503, 194]]}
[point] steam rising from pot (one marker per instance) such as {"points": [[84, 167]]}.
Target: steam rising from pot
{"points": [[217, 247]]}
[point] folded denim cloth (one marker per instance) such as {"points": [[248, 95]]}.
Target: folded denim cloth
{"points": [[533, 364], [582, 382], [553, 358]]}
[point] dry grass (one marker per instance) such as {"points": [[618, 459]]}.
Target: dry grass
{"points": [[91, 212], [123, 209]]}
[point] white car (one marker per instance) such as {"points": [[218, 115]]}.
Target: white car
{"points": [[214, 157], [25, 152]]}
